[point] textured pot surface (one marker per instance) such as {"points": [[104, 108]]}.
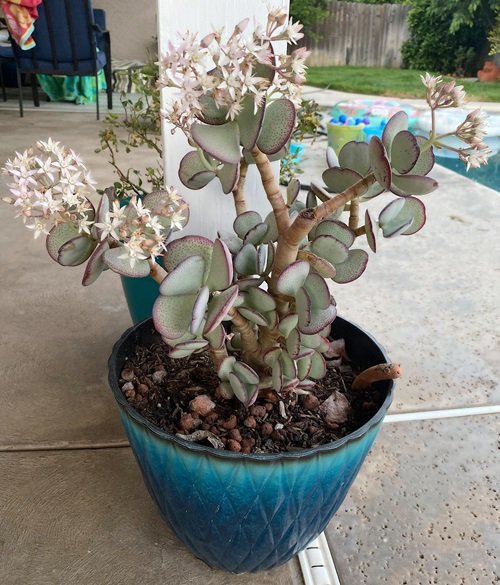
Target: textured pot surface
{"points": [[239, 512]]}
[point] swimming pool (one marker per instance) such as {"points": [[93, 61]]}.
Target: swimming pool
{"points": [[488, 175]]}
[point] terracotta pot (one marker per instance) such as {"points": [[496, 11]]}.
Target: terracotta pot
{"points": [[238, 512]]}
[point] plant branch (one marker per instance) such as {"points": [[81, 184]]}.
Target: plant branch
{"points": [[249, 339], [156, 272], [272, 189], [240, 203], [354, 214]]}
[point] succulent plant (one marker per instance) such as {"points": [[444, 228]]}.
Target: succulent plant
{"points": [[258, 299]]}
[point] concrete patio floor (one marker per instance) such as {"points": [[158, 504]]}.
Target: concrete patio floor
{"points": [[424, 509]]}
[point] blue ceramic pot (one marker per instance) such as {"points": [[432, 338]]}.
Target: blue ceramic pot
{"points": [[246, 513], [140, 294]]}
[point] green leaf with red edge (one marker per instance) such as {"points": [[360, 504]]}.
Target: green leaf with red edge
{"points": [[279, 121], [245, 222], [211, 113], [406, 219], [337, 229], [396, 124], [245, 373], [59, 235], [404, 151], [217, 337], [199, 309], [379, 162], [222, 142], [354, 155], [118, 260], [253, 316], [304, 367], [293, 343], [303, 304], [257, 234], [218, 308], [261, 300], [193, 173], [76, 251], [330, 248], [288, 323], [352, 268], [338, 179], [186, 278], [292, 191], [250, 121], [186, 348], [426, 159], [220, 275], [177, 250], [370, 232], [95, 265], [245, 262], [320, 318], [172, 315], [228, 176], [405, 185], [277, 375], [318, 366], [318, 264], [293, 277], [318, 291]]}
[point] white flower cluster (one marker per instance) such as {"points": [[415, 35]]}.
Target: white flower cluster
{"points": [[49, 185], [141, 233], [228, 70], [441, 94]]}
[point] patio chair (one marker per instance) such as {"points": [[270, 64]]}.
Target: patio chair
{"points": [[71, 39], [6, 56]]}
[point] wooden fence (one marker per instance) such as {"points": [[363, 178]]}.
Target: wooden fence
{"points": [[360, 34]]}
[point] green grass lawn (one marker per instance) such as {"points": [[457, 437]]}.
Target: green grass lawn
{"points": [[390, 82]]}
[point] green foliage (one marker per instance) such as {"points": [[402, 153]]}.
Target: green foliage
{"points": [[309, 12], [494, 35], [138, 127], [449, 37]]}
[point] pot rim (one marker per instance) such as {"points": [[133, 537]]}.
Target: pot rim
{"points": [[230, 455]]}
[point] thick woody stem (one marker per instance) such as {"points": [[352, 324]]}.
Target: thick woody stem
{"points": [[240, 203], [218, 356], [156, 272], [249, 339], [272, 189], [354, 214]]}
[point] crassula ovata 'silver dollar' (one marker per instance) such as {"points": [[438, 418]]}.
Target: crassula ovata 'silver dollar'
{"points": [[258, 300]]}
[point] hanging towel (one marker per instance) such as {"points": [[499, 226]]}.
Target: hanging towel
{"points": [[20, 16], [78, 89]]}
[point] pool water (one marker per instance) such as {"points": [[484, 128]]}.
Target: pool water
{"points": [[488, 175]]}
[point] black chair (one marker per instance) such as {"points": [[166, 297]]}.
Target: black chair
{"points": [[68, 34], [6, 56]]}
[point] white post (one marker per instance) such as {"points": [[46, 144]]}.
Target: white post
{"points": [[211, 210]]}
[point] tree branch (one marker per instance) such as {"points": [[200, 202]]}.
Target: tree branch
{"points": [[240, 203]]}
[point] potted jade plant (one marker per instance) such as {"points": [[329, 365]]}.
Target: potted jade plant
{"points": [[248, 403]]}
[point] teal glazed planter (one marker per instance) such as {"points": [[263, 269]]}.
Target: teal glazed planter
{"points": [[246, 513], [140, 294]]}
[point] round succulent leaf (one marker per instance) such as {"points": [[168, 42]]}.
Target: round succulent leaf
{"points": [[178, 250], [253, 316], [245, 262], [118, 260], [331, 249], [262, 253], [179, 353], [76, 251], [220, 275], [405, 219], [226, 390], [270, 255], [426, 159], [320, 318], [379, 162], [324, 346], [371, 192], [228, 176], [246, 283], [193, 173], [318, 291], [396, 124], [58, 236], [352, 268], [337, 229], [217, 337], [193, 345], [240, 389], [261, 300], [293, 343], [292, 191], [172, 315], [186, 278], [102, 211], [370, 232], [404, 185], [304, 367], [272, 319], [211, 113], [245, 222], [277, 375], [288, 323], [311, 341], [257, 234], [355, 156], [288, 365], [271, 356], [232, 242], [318, 264], [245, 373], [304, 308], [279, 121], [293, 277], [199, 308], [338, 180], [404, 151], [332, 159], [318, 366], [95, 265], [272, 233], [226, 367], [218, 308], [250, 121], [311, 200], [222, 142]]}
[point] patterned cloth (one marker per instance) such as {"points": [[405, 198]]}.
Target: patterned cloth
{"points": [[78, 89], [20, 16]]}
